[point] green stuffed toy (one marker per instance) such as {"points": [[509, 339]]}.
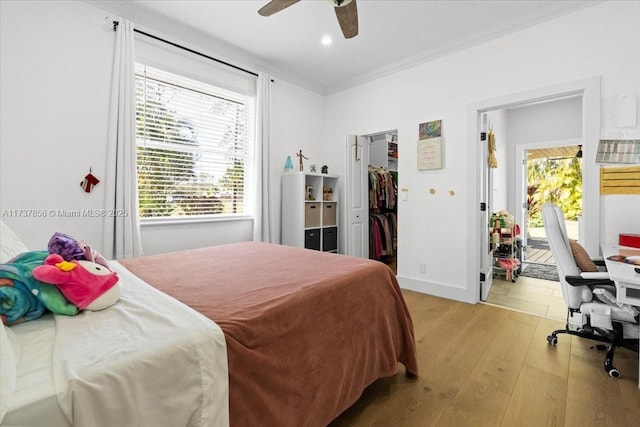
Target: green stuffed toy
{"points": [[22, 297]]}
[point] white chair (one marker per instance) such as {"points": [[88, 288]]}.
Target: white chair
{"points": [[597, 317]]}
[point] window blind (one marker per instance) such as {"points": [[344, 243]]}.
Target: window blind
{"points": [[194, 146]]}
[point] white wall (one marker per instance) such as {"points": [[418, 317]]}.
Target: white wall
{"points": [[55, 70], [545, 121], [298, 124], [56, 60], [599, 41], [536, 126]]}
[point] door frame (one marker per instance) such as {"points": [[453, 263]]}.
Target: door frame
{"points": [[356, 202], [486, 182], [590, 91], [521, 176]]}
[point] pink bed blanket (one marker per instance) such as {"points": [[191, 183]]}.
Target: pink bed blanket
{"points": [[306, 331]]}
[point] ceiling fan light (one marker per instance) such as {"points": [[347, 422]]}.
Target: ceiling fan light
{"points": [[340, 3]]}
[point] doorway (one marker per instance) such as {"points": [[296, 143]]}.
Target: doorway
{"points": [[588, 94], [553, 175], [383, 196], [371, 196]]}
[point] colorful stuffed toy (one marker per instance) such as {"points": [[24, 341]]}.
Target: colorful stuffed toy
{"points": [[88, 285], [22, 297], [71, 249]]}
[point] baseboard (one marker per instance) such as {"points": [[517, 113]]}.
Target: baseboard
{"points": [[436, 289]]}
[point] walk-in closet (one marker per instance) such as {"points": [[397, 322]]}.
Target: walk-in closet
{"points": [[383, 196]]}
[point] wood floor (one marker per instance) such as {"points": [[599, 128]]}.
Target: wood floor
{"points": [[482, 365], [534, 296]]}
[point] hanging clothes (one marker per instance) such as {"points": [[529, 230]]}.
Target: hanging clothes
{"points": [[383, 189], [383, 225]]}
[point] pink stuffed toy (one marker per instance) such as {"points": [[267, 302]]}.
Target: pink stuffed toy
{"points": [[88, 285]]}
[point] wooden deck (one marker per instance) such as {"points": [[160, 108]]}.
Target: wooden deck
{"points": [[538, 256]]}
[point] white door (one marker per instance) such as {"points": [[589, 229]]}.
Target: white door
{"points": [[356, 196], [522, 198], [486, 192]]}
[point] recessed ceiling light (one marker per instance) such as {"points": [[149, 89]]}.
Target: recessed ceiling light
{"points": [[326, 40]]}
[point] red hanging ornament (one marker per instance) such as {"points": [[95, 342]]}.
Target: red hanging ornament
{"points": [[88, 182]]}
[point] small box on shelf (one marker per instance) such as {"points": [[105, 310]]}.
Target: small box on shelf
{"points": [[329, 214], [312, 215]]}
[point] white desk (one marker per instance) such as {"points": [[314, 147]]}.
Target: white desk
{"points": [[623, 274]]}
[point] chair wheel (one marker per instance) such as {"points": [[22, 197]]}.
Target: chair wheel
{"points": [[552, 339], [614, 373]]}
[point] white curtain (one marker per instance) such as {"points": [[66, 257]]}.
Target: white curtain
{"points": [[262, 228], [121, 237]]}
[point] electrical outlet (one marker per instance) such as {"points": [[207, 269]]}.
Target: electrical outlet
{"points": [[423, 268]]}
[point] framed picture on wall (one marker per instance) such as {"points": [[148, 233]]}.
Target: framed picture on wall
{"points": [[430, 145], [429, 130], [429, 154]]}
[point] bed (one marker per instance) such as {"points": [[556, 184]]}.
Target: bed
{"points": [[284, 337], [149, 360]]}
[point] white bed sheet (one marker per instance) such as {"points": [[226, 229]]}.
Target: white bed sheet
{"points": [[149, 360], [34, 398]]}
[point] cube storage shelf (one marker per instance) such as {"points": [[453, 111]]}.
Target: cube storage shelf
{"points": [[310, 211]]}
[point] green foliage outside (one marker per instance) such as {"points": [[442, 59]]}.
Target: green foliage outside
{"points": [[159, 179], [233, 184], [168, 184], [557, 181]]}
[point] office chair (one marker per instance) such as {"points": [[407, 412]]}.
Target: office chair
{"points": [[593, 312]]}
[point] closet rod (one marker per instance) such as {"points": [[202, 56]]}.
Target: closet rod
{"points": [[195, 52]]}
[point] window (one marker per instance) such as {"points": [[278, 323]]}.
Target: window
{"points": [[194, 147]]}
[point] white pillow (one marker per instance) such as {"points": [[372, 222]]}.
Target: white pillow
{"points": [[7, 369], [10, 244]]}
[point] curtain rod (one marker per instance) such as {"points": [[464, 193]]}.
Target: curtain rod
{"points": [[135, 30]]}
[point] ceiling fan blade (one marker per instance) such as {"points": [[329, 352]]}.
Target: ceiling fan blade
{"points": [[275, 6], [348, 19]]}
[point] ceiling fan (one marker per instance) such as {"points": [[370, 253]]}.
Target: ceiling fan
{"points": [[346, 12]]}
